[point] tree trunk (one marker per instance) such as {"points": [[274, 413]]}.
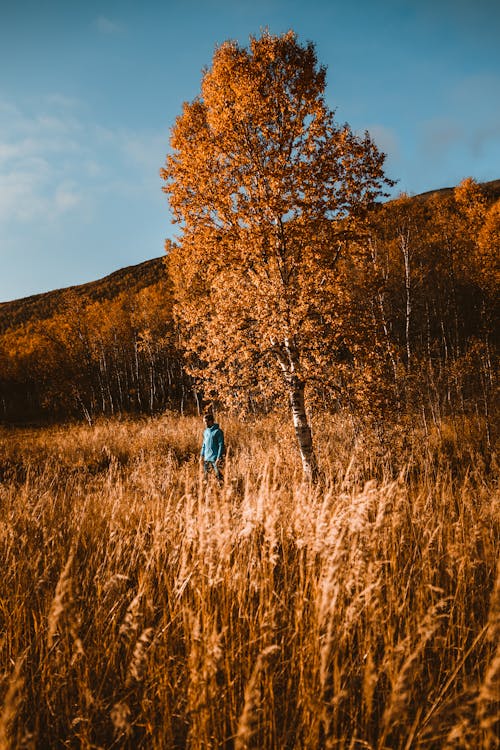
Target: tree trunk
{"points": [[405, 249], [288, 359], [302, 428]]}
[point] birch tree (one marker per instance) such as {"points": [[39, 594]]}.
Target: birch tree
{"points": [[268, 190]]}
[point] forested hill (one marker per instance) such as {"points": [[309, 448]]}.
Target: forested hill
{"points": [[133, 279], [490, 189], [413, 317], [45, 305]]}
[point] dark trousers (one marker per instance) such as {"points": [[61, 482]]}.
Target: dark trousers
{"points": [[207, 465]]}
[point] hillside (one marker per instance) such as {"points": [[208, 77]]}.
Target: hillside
{"points": [[45, 305], [132, 278], [491, 190], [418, 329]]}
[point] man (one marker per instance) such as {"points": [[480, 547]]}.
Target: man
{"points": [[212, 448]]}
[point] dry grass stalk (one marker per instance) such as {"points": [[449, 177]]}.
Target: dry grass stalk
{"points": [[120, 716], [488, 703], [205, 673], [11, 705], [138, 663], [488, 699], [130, 623], [370, 677], [400, 702], [248, 724], [61, 599]]}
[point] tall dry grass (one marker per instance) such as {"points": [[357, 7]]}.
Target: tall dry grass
{"points": [[143, 608]]}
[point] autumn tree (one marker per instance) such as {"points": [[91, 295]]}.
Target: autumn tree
{"points": [[268, 190]]}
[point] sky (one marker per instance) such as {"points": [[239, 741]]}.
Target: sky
{"points": [[89, 90]]}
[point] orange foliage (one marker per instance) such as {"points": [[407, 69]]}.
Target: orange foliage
{"points": [[488, 251], [89, 358]]}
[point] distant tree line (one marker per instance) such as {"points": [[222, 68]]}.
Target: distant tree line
{"points": [[92, 358], [416, 330], [427, 302]]}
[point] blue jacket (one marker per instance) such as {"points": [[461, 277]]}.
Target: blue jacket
{"points": [[213, 443]]}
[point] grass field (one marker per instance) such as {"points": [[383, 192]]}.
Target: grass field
{"points": [[143, 608]]}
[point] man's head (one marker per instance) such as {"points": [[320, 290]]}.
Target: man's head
{"points": [[209, 419]]}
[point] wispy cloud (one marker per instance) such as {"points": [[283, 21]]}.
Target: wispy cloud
{"points": [[53, 163], [442, 136], [439, 135], [23, 192], [107, 26], [485, 138], [386, 139], [473, 116], [63, 101], [35, 153]]}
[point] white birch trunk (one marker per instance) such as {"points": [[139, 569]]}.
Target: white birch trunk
{"points": [[405, 249], [302, 428], [287, 357]]}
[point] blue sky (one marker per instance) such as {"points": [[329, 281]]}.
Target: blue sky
{"points": [[90, 88]]}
